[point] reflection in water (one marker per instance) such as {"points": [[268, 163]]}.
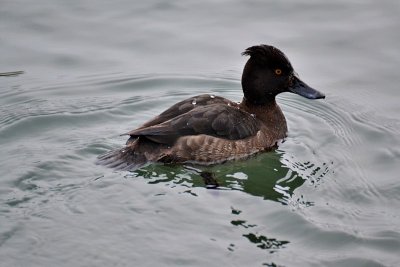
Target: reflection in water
{"points": [[263, 242], [266, 175], [242, 223], [263, 176], [266, 243]]}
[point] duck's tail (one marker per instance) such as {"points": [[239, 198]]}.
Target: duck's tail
{"points": [[127, 158]]}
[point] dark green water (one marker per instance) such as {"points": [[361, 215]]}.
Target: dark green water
{"points": [[328, 196]]}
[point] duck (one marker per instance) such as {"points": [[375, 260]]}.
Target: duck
{"points": [[208, 129]]}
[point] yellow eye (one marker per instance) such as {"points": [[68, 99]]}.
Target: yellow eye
{"points": [[278, 71]]}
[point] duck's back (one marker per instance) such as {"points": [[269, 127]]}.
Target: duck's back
{"points": [[187, 105]]}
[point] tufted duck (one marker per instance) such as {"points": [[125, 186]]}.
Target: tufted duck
{"points": [[207, 129]]}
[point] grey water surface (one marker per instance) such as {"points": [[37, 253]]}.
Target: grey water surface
{"points": [[74, 75]]}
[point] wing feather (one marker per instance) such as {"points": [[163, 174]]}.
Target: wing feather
{"points": [[187, 105], [216, 120]]}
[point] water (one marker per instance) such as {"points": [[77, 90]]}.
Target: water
{"points": [[329, 196]]}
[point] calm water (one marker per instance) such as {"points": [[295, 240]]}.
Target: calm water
{"points": [[329, 196]]}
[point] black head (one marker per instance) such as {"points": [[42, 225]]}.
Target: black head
{"points": [[268, 72]]}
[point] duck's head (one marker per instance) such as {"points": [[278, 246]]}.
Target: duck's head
{"points": [[268, 72]]}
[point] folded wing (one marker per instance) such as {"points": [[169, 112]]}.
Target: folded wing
{"points": [[187, 105], [216, 120]]}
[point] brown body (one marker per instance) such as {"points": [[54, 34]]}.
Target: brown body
{"points": [[207, 149], [208, 129]]}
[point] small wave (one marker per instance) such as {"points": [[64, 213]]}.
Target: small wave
{"points": [[330, 112], [11, 73]]}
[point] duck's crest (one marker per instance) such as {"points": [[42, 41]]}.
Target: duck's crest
{"points": [[268, 54]]}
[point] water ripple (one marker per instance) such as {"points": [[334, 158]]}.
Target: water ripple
{"points": [[47, 100], [318, 173]]}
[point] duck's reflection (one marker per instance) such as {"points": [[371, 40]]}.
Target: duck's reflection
{"points": [[266, 175], [263, 176]]}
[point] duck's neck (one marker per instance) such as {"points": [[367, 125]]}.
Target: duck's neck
{"points": [[267, 108], [269, 113]]}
